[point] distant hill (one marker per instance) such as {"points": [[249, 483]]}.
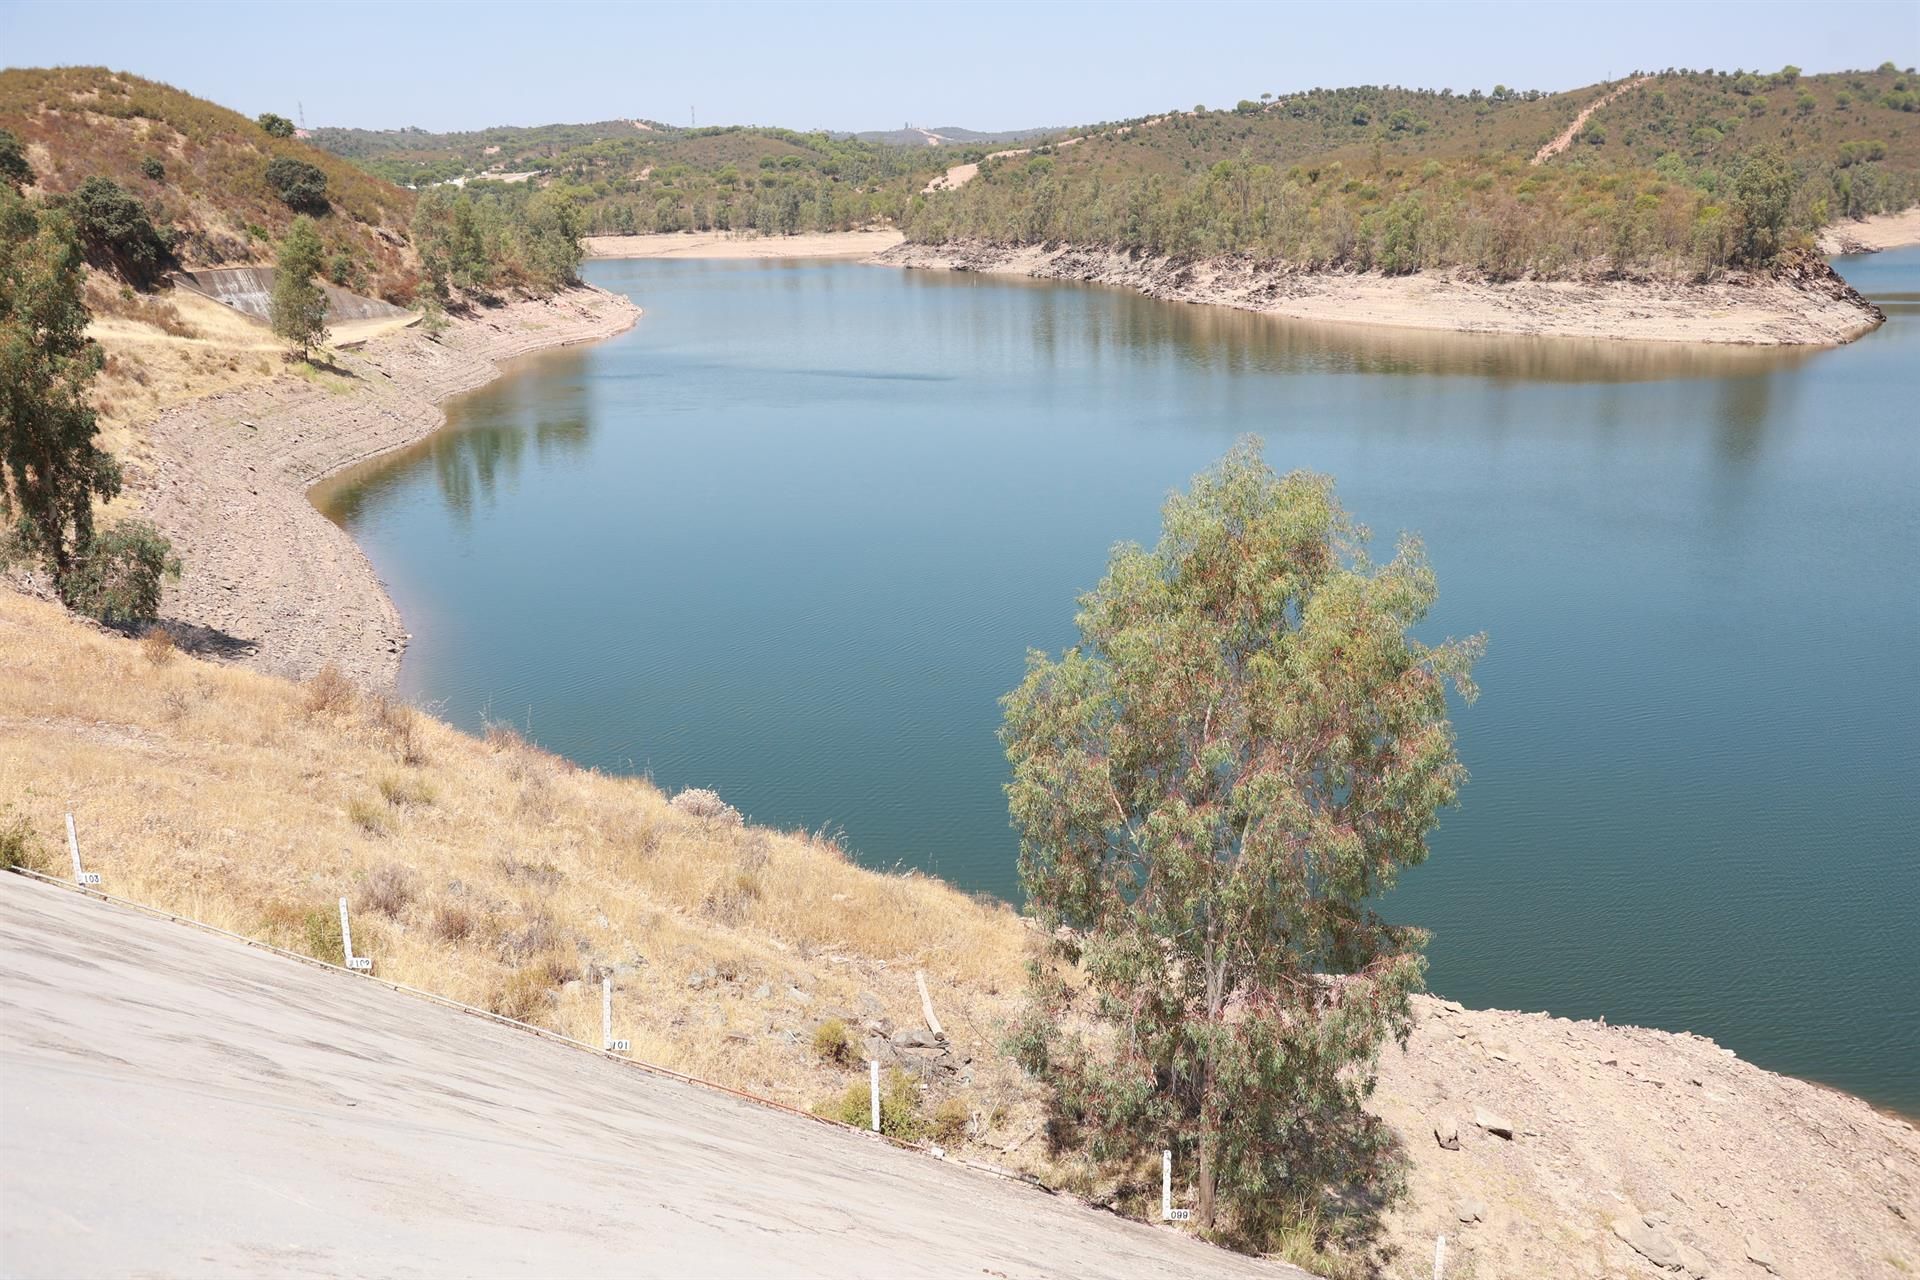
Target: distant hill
{"points": [[1399, 180], [202, 170], [951, 135]]}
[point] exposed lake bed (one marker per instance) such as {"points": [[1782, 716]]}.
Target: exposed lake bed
{"points": [[798, 529]]}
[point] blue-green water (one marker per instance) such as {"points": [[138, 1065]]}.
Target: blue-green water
{"points": [[792, 536]]}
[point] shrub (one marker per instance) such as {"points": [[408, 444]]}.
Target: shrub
{"points": [[158, 646], [155, 170], [832, 1042], [299, 185], [387, 890], [368, 816], [399, 790], [522, 995], [329, 692], [275, 125], [321, 933], [14, 168], [698, 802], [452, 922], [19, 847], [399, 723], [119, 575], [950, 1121], [899, 1106]]}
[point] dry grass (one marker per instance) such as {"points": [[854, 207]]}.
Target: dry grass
{"points": [[494, 872]]}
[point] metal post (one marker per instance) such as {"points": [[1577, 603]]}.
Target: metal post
{"points": [[1166, 1186], [875, 1064]]}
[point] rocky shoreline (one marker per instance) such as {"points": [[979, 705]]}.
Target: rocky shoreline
{"points": [[270, 581], [1806, 304]]}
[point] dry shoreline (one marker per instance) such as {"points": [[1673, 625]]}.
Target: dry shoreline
{"points": [[269, 580], [1873, 233], [1810, 306], [721, 244]]}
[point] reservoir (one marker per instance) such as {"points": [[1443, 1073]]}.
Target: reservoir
{"points": [[792, 536]]}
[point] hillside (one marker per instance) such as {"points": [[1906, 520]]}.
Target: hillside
{"points": [[202, 170], [1398, 180], [637, 176]]}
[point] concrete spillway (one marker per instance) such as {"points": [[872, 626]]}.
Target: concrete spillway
{"points": [[249, 290]]}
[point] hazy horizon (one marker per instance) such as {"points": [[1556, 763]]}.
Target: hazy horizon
{"points": [[853, 67]]}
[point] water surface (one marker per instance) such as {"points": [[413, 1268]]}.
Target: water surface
{"points": [[791, 537]]}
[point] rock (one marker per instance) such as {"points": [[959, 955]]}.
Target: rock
{"points": [[1694, 1262], [1470, 1210], [1760, 1255], [763, 992], [1648, 1242], [1446, 1132], [696, 980], [1493, 1122], [795, 993]]}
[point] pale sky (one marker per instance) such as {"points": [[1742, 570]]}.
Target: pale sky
{"points": [[872, 65]]}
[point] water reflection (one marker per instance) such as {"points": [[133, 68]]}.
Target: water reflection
{"points": [[543, 406], [1226, 340]]}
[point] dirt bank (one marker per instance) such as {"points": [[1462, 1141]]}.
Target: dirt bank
{"points": [[1872, 234], [270, 580], [721, 244], [1809, 307]]}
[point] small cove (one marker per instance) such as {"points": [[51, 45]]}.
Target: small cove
{"points": [[791, 537]]}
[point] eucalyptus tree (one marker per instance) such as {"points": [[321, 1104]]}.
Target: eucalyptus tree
{"points": [[1247, 746], [299, 304]]}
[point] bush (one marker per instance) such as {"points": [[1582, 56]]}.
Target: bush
{"points": [[300, 185], [155, 170], [387, 890], [117, 232], [368, 816], [119, 575], [452, 922], [329, 692], [276, 126], [899, 1107], [950, 1121], [831, 1041], [158, 646], [14, 168], [320, 928], [19, 847]]}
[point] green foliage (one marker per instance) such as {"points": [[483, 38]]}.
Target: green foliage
{"points": [[299, 305], [831, 1041], [299, 185], [1246, 747], [153, 169], [53, 466], [119, 576], [20, 847], [320, 931], [899, 1106], [117, 231], [14, 169], [275, 126], [1762, 198], [495, 237]]}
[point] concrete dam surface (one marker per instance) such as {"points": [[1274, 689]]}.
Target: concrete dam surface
{"points": [[249, 290], [173, 1102]]}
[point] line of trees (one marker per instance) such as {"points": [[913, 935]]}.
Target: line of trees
{"points": [[491, 237]]}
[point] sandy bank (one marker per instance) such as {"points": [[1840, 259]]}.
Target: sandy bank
{"points": [[1812, 307], [269, 579], [721, 244], [1872, 234]]}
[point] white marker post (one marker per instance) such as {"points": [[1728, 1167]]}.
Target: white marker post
{"points": [[362, 963], [1167, 1211], [606, 1019], [1439, 1256], [80, 875], [875, 1064]]}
